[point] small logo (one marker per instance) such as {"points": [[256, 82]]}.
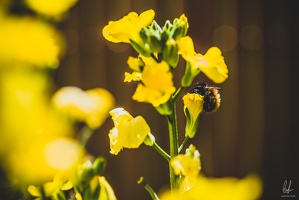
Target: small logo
{"points": [[286, 189]]}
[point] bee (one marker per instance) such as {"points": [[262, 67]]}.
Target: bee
{"points": [[211, 96]]}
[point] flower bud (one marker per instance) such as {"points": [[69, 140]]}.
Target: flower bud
{"points": [[99, 165], [193, 107], [141, 47], [180, 27], [170, 53], [149, 140]]}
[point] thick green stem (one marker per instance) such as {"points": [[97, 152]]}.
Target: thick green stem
{"points": [[173, 142]]}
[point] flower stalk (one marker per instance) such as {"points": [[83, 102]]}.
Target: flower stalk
{"points": [[161, 151], [173, 143]]}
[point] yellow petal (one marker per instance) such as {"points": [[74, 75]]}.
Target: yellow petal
{"points": [[153, 96], [186, 48], [120, 115], [134, 132], [51, 7], [185, 165], [118, 31], [146, 18], [116, 143], [214, 66], [135, 76], [34, 191], [107, 192]]}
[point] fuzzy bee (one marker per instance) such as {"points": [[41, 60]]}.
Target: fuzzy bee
{"points": [[211, 96]]}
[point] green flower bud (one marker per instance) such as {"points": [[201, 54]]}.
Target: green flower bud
{"points": [[166, 31], [149, 140], [141, 48], [85, 172], [99, 165], [151, 36], [180, 27], [170, 53], [154, 43], [155, 27], [144, 33]]}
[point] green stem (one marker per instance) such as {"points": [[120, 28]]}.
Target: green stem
{"points": [[85, 133], [183, 144], [177, 93], [148, 188], [161, 151], [173, 142]]}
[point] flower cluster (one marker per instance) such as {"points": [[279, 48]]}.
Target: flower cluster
{"points": [[159, 49]]}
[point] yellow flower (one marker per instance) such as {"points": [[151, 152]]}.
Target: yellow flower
{"points": [[106, 192], [188, 165], [185, 165], [227, 188], [128, 27], [193, 106], [128, 132], [50, 7], [98, 183], [28, 41], [157, 85], [211, 64], [52, 189], [91, 106]]}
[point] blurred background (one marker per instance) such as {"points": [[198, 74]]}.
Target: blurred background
{"points": [[254, 129]]}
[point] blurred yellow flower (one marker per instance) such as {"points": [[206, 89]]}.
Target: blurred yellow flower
{"points": [[50, 7], [157, 85], [91, 106], [193, 106], [52, 189], [106, 192], [187, 165], [227, 188], [98, 182], [211, 64], [28, 41], [128, 132], [128, 27]]}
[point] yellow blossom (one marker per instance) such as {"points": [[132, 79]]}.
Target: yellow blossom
{"points": [[128, 27], [193, 106], [226, 188], [128, 132], [91, 106], [28, 41], [211, 63], [187, 165], [50, 7], [107, 192], [157, 85], [60, 182]]}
